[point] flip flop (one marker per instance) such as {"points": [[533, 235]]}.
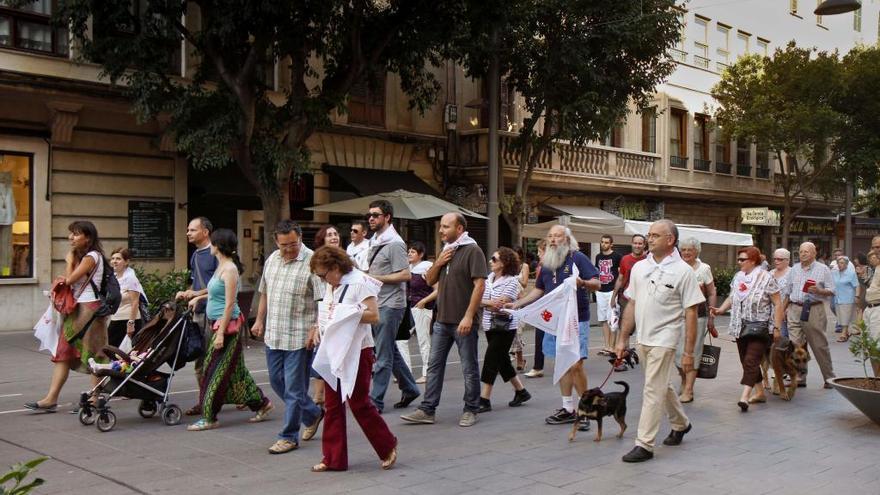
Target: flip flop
{"points": [[35, 406], [757, 400]]}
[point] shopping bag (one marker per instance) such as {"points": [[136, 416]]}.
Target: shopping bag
{"points": [[709, 361]]}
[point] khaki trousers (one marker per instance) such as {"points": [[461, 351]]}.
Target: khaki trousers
{"points": [[872, 321], [659, 396], [812, 333]]}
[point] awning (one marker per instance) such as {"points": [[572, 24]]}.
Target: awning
{"points": [[593, 215], [366, 181]]}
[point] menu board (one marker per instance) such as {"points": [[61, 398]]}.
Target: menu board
{"points": [[151, 229]]}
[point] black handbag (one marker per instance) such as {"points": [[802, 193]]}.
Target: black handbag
{"points": [[709, 361], [500, 322], [407, 323], [755, 329]]}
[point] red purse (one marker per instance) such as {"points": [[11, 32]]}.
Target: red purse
{"points": [[232, 327], [62, 297]]}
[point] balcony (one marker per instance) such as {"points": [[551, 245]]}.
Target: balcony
{"points": [[744, 170], [762, 173], [723, 168], [679, 55], [702, 165], [701, 62], [678, 161]]}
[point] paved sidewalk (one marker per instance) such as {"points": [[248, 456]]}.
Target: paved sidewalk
{"points": [[816, 444]]}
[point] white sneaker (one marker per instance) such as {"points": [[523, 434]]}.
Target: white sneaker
{"points": [[534, 373], [421, 379]]}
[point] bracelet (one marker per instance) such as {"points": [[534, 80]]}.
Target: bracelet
{"points": [[131, 322]]}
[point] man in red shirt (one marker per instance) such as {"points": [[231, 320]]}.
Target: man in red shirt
{"points": [[626, 264]]}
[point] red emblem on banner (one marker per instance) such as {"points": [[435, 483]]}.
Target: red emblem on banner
{"points": [[546, 315]]}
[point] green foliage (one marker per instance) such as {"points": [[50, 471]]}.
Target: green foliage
{"points": [[864, 347], [859, 144], [162, 286], [723, 277], [16, 477]]}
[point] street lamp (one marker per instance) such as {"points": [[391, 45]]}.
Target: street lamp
{"points": [[832, 7]]}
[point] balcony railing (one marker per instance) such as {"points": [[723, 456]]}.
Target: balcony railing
{"points": [[678, 161], [702, 165], [701, 62], [677, 54], [762, 173], [722, 167], [744, 170]]}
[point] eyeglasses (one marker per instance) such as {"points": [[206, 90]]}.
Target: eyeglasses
{"points": [[741, 260], [322, 275], [288, 245], [493, 259], [374, 215], [657, 236], [779, 259]]}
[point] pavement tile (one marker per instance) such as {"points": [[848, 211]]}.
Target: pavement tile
{"points": [[558, 477]]}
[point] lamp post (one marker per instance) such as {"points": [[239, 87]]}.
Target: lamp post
{"points": [[493, 211]]}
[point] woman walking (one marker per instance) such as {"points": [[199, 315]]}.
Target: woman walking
{"points": [[690, 252], [754, 299], [537, 370], [421, 299], [225, 378], [128, 319], [502, 286], [845, 286], [82, 335], [347, 286]]}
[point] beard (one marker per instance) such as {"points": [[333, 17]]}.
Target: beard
{"points": [[554, 257]]}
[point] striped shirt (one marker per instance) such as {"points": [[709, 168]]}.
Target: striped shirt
{"points": [[798, 276], [292, 294], [505, 287]]}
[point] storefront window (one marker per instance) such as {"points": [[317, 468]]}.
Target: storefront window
{"points": [[15, 215]]}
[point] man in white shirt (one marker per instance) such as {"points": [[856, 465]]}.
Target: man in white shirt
{"points": [[359, 247], [663, 296]]}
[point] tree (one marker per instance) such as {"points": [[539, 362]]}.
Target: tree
{"points": [[576, 63], [223, 113], [787, 103]]}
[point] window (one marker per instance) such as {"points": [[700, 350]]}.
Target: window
{"points": [[722, 152], [701, 137], [614, 138], [763, 47], [15, 215], [701, 42], [125, 30], [366, 105], [678, 50], [818, 17], [762, 169], [649, 130], [857, 20], [743, 160], [723, 43], [678, 138], [742, 40], [29, 27]]}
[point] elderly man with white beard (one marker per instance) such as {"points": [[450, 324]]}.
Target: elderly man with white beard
{"points": [[561, 256]]}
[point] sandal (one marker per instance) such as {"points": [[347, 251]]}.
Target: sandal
{"points": [[202, 425], [320, 467], [195, 410], [757, 400], [684, 399], [389, 461], [263, 413], [843, 338]]}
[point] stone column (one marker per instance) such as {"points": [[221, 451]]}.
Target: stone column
{"points": [[322, 195]]}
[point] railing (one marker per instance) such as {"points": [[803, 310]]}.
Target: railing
{"points": [[701, 62], [702, 165], [744, 170], [679, 55], [723, 168], [762, 173], [678, 161]]}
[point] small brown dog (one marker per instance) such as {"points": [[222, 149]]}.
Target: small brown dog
{"points": [[595, 405], [786, 359]]}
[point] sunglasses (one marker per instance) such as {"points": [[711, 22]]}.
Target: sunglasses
{"points": [[374, 215], [355, 231], [741, 260], [493, 259]]}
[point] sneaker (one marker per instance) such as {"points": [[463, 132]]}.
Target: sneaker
{"points": [[561, 417], [310, 430], [584, 424], [283, 446], [485, 406], [675, 437], [418, 417], [422, 379], [467, 419], [202, 425], [638, 454], [533, 373], [519, 397], [405, 400]]}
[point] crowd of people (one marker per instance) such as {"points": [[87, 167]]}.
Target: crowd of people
{"points": [[336, 322]]}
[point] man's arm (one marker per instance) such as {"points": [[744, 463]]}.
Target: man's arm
{"points": [[618, 286], [466, 324], [627, 324], [529, 298], [592, 284], [394, 278], [690, 338], [432, 276]]}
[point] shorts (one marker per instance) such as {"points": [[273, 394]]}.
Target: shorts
{"points": [[603, 308], [549, 343]]}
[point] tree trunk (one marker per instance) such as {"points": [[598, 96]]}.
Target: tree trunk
{"points": [[786, 221], [272, 213]]}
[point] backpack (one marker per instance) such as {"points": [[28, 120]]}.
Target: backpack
{"points": [[109, 294], [144, 309]]}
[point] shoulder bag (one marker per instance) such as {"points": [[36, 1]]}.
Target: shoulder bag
{"points": [[755, 329]]}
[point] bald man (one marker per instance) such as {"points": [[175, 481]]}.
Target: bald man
{"points": [[811, 285]]}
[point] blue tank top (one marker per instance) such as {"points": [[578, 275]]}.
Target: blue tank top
{"points": [[217, 300]]}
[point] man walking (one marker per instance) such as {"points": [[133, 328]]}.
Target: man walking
{"points": [[811, 287], [663, 297], [608, 264], [561, 255], [461, 271], [359, 247], [389, 264], [638, 245], [287, 311], [202, 265]]}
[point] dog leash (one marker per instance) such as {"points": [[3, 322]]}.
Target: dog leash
{"points": [[617, 362]]}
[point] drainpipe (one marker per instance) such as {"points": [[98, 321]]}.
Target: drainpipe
{"points": [[493, 209]]}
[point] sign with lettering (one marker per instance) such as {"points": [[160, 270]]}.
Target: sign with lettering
{"points": [[151, 229], [760, 216]]}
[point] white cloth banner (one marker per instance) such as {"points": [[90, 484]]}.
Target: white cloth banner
{"points": [[557, 314], [339, 354], [48, 329]]}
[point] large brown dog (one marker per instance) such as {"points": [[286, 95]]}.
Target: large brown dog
{"points": [[786, 358]]}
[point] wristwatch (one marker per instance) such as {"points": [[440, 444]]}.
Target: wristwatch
{"points": [[131, 322]]}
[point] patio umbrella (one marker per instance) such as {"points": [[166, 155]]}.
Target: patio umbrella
{"points": [[409, 205]]}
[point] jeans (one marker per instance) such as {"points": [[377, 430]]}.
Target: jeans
{"points": [[445, 334], [289, 377], [388, 358]]}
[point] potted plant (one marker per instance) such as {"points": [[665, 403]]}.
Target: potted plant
{"points": [[864, 393], [12, 483]]}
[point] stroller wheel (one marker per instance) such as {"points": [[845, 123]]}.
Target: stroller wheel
{"points": [[87, 416], [106, 421], [171, 415], [147, 409]]}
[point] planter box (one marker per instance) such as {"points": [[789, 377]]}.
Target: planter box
{"points": [[867, 401]]}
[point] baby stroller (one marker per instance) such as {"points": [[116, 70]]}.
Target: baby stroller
{"points": [[163, 340]]}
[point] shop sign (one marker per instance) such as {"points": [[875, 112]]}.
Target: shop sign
{"points": [[760, 216], [807, 227]]}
